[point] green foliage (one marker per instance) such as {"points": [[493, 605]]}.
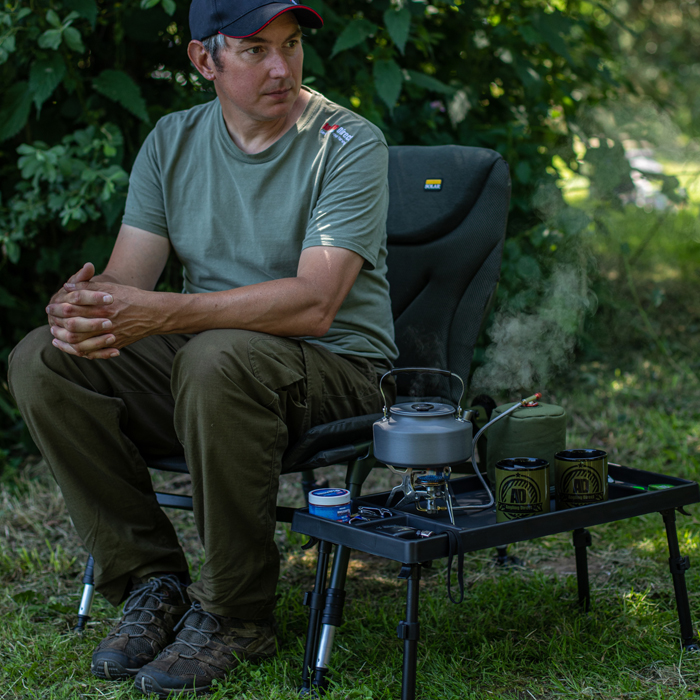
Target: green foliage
{"points": [[387, 79], [398, 23], [81, 82], [45, 75], [118, 86], [354, 33], [15, 109]]}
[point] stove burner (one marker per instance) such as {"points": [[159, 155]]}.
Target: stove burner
{"points": [[426, 488]]}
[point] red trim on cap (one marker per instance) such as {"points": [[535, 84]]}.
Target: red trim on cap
{"points": [[289, 9]]}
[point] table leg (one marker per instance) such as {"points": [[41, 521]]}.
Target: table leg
{"points": [[582, 540], [315, 600], [409, 630], [679, 565]]}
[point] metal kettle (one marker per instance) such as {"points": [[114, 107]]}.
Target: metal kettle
{"points": [[422, 434]]}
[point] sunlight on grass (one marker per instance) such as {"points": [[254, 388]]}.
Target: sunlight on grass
{"points": [[689, 540], [652, 545]]}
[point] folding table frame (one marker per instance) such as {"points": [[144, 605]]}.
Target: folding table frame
{"points": [[473, 532]]}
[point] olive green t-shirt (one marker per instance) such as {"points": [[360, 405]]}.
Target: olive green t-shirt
{"points": [[236, 219]]}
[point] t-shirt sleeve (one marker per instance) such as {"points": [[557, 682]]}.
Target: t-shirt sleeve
{"points": [[145, 206], [352, 206]]}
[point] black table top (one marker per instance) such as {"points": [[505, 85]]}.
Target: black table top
{"points": [[479, 530]]}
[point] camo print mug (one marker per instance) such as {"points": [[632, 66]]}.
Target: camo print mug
{"points": [[582, 477]]}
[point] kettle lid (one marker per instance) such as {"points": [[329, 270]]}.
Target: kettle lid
{"points": [[428, 409]]}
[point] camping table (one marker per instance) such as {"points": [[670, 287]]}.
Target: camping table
{"points": [[475, 531]]}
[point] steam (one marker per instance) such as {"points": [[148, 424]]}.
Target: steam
{"points": [[528, 349]]}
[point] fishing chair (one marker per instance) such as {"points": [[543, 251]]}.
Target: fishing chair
{"points": [[446, 225]]}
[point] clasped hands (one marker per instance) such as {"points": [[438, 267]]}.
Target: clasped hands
{"points": [[94, 319]]}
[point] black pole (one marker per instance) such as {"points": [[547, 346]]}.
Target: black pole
{"points": [[86, 599], [679, 565], [334, 601], [315, 600], [582, 540], [409, 631]]}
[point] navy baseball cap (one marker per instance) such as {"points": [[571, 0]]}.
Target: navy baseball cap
{"points": [[241, 18]]}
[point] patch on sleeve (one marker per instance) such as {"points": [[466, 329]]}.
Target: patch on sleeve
{"points": [[433, 184], [338, 131]]}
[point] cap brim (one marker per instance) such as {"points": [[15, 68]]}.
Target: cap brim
{"points": [[258, 19]]}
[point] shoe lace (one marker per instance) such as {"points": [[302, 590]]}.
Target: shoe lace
{"points": [[192, 635], [144, 600]]}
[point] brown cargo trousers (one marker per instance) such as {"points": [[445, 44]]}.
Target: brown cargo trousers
{"points": [[232, 399]]}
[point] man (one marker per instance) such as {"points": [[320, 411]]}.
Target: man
{"points": [[274, 200]]}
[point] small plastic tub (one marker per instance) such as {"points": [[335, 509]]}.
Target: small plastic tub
{"points": [[331, 504]]}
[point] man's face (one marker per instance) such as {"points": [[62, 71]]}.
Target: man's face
{"points": [[261, 75]]}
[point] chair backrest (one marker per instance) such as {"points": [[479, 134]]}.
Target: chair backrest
{"points": [[446, 225]]}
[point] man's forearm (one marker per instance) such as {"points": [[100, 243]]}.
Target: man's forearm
{"points": [[285, 307], [304, 305]]}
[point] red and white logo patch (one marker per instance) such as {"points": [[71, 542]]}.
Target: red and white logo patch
{"points": [[338, 131]]}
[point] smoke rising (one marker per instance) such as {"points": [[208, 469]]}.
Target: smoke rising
{"points": [[528, 349]]}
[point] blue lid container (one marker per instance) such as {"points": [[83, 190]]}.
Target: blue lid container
{"points": [[331, 504]]}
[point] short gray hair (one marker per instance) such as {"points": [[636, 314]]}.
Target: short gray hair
{"points": [[214, 45]]}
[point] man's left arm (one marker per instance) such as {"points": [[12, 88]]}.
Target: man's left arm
{"points": [[304, 305]]}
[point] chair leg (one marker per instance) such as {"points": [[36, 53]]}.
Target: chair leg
{"points": [[332, 616], [505, 560], [357, 473], [88, 593], [502, 555], [315, 600], [309, 483]]}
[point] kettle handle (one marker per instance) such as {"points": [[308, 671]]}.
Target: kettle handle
{"points": [[423, 370]]}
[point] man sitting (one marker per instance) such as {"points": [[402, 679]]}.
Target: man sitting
{"points": [[274, 200]]}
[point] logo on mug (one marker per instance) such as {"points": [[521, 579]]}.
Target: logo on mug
{"points": [[581, 484], [519, 497]]}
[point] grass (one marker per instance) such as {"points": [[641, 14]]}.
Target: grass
{"points": [[518, 635]]}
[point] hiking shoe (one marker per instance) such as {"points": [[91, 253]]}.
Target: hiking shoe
{"points": [[148, 622], [206, 648]]}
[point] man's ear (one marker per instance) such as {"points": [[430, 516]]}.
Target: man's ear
{"points": [[201, 59]]}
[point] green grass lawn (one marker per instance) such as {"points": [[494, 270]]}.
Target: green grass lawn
{"points": [[634, 391]]}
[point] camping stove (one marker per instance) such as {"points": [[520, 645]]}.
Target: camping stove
{"points": [[427, 488], [422, 441]]}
